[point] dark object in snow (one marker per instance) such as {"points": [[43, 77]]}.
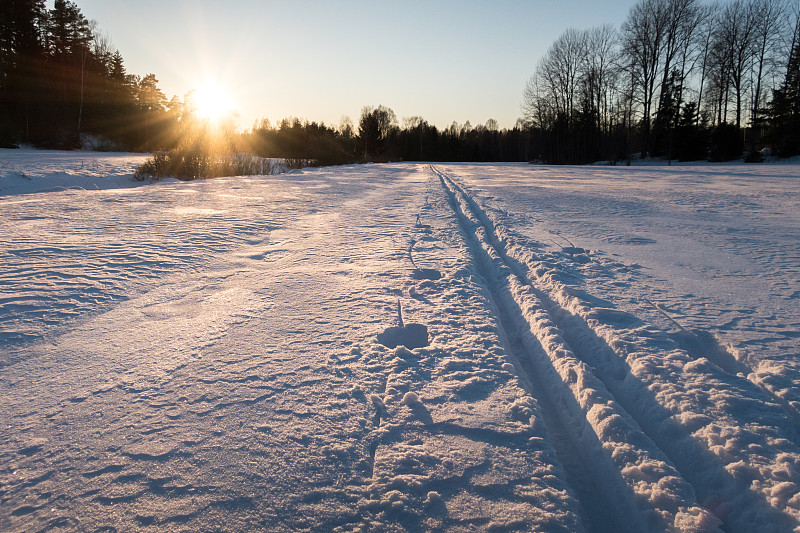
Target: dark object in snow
{"points": [[426, 273], [411, 336], [573, 250]]}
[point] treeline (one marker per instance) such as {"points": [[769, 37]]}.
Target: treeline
{"points": [[206, 150], [61, 78], [62, 83], [680, 79], [379, 137]]}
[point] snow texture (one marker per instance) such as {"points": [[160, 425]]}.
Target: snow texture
{"points": [[399, 347]]}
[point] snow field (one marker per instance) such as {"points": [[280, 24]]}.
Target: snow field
{"points": [[25, 171], [402, 347], [455, 434], [119, 241], [713, 246]]}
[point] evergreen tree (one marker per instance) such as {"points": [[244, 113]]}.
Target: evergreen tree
{"points": [[375, 129], [785, 112], [68, 38], [690, 139], [22, 25]]}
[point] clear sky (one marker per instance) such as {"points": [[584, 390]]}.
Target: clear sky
{"points": [[444, 60]]}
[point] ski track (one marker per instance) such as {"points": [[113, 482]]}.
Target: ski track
{"points": [[454, 431], [694, 236], [628, 362], [234, 355], [612, 445]]}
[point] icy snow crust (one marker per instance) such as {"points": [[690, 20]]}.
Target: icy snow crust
{"points": [[603, 350]]}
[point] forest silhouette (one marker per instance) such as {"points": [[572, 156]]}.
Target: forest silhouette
{"points": [[679, 79]]}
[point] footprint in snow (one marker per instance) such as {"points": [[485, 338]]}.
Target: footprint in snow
{"points": [[426, 273], [411, 336]]}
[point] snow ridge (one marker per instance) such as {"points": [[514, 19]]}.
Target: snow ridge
{"points": [[727, 435]]}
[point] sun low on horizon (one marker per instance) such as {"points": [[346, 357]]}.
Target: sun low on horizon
{"points": [[214, 102]]}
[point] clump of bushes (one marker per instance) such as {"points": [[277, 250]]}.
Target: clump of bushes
{"points": [[204, 150], [191, 165]]}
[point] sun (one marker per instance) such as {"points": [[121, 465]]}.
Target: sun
{"points": [[213, 102]]}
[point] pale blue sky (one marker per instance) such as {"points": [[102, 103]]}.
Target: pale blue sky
{"points": [[442, 60]]}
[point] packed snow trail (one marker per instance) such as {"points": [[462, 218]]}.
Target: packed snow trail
{"points": [[233, 354]]}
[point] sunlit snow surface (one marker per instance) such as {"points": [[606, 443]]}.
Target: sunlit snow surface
{"points": [[609, 349]]}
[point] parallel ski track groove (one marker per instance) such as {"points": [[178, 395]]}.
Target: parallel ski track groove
{"points": [[612, 371], [571, 418]]}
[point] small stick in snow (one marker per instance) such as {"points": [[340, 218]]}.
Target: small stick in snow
{"points": [[400, 313], [657, 308], [569, 241]]}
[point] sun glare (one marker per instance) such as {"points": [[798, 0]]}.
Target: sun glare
{"points": [[213, 102]]}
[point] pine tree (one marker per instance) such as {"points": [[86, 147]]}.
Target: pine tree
{"points": [[151, 103], [68, 34], [785, 112], [21, 59], [68, 38]]}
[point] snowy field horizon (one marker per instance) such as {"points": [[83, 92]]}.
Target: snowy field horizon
{"points": [[399, 347]]}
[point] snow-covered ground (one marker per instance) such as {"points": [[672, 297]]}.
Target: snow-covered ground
{"points": [[399, 347], [29, 170]]}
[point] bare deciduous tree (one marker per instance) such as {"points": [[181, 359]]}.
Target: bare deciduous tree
{"points": [[601, 71], [704, 35], [560, 69], [643, 34], [769, 24], [734, 42]]}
